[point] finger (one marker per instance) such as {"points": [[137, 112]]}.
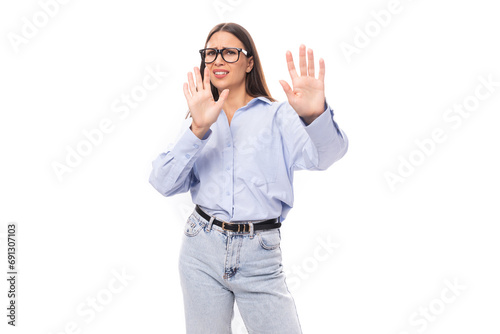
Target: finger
{"points": [[291, 65], [321, 70], [186, 92], [302, 60], [310, 60], [192, 87], [199, 81], [287, 89], [222, 98], [206, 79]]}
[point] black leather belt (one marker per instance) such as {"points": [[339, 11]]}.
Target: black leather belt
{"points": [[263, 225]]}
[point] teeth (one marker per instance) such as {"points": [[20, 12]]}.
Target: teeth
{"points": [[220, 73]]}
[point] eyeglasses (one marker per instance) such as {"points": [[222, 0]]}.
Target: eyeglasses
{"points": [[230, 55]]}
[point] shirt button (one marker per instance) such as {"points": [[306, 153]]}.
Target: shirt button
{"points": [[228, 145], [195, 145], [228, 168], [188, 156], [227, 193]]}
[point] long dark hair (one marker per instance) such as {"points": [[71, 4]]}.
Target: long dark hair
{"points": [[255, 82]]}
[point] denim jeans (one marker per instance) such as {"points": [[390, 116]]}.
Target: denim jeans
{"points": [[218, 267]]}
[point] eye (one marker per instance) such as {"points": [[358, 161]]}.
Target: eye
{"points": [[210, 53], [231, 52]]}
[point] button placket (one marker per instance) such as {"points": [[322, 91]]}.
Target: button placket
{"points": [[228, 163]]}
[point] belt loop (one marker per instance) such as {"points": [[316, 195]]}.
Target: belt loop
{"points": [[252, 232], [208, 227]]}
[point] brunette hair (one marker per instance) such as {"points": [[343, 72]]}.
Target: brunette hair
{"points": [[255, 82]]}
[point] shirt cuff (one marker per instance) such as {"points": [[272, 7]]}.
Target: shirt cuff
{"points": [[320, 130], [189, 145]]}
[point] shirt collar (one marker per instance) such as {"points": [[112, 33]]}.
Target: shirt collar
{"points": [[265, 99], [254, 100], [261, 98]]}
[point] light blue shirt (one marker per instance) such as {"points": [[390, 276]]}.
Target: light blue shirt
{"points": [[244, 170]]}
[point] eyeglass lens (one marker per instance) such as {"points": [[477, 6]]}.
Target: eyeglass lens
{"points": [[230, 55]]}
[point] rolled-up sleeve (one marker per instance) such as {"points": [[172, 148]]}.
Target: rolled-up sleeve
{"points": [[172, 171]]}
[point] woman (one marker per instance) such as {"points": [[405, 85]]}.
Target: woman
{"points": [[237, 158]]}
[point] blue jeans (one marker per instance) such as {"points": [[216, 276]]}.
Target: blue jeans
{"points": [[218, 267]]}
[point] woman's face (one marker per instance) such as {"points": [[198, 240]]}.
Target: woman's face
{"points": [[236, 72]]}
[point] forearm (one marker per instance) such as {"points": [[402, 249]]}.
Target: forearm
{"points": [[328, 140], [171, 173]]}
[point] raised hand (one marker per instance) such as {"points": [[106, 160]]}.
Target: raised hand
{"points": [[308, 95], [204, 109]]}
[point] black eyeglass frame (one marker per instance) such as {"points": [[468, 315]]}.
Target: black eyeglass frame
{"points": [[219, 51]]}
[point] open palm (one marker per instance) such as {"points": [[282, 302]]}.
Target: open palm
{"points": [[307, 97], [202, 106]]}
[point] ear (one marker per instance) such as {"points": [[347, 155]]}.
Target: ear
{"points": [[250, 64]]}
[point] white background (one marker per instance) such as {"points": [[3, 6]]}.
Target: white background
{"points": [[397, 247]]}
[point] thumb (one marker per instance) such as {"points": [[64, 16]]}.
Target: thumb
{"points": [[286, 88], [222, 98]]}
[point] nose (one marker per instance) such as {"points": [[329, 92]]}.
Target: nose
{"points": [[219, 60]]}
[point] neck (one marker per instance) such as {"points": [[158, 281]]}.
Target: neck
{"points": [[236, 99]]}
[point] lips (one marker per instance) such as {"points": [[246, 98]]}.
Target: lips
{"points": [[220, 73]]}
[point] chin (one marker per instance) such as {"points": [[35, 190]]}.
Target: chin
{"points": [[221, 88]]}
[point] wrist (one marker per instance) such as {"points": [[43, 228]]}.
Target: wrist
{"points": [[309, 119], [198, 131]]}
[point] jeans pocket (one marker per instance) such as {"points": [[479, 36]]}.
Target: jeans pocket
{"points": [[269, 239], [192, 227]]}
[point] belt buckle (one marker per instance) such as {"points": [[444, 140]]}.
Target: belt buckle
{"points": [[239, 227]]}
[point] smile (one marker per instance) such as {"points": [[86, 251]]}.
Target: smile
{"points": [[220, 74]]}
